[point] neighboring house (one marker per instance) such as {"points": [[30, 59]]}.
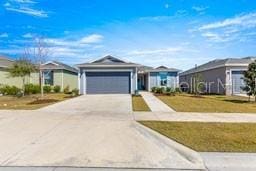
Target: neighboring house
{"points": [[113, 75], [57, 73], [6, 79], [220, 76]]}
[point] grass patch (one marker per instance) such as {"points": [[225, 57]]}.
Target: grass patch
{"points": [[209, 137], [209, 103], [31, 102], [139, 104]]}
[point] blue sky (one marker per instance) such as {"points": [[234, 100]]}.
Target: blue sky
{"points": [[178, 33]]}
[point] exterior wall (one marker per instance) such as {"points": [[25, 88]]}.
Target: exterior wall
{"points": [[5, 79], [106, 69], [213, 78], [57, 78], [34, 78], [154, 80], [70, 79]]}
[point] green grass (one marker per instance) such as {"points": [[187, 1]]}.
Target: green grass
{"points": [[209, 103], [31, 102], [139, 104], [209, 137]]}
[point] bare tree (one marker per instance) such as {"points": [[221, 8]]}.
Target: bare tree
{"points": [[39, 55]]}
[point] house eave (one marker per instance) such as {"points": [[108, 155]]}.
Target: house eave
{"points": [[215, 67], [109, 66]]}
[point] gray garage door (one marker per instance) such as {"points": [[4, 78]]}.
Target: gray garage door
{"points": [[237, 82], [107, 82]]}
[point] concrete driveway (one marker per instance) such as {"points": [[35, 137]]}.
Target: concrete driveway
{"points": [[91, 134], [117, 103]]}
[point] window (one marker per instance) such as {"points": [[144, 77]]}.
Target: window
{"points": [[163, 78], [48, 77]]}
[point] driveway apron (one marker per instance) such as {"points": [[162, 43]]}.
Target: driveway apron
{"points": [[88, 131]]}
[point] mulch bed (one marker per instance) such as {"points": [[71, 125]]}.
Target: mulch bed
{"points": [[43, 101]]}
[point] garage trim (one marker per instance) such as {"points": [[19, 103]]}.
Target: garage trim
{"points": [[231, 78]]}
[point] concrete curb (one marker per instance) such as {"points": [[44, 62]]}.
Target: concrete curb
{"points": [[193, 157]]}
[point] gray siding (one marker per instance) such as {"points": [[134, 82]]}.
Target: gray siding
{"points": [[215, 77]]}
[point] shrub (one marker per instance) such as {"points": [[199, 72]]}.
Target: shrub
{"points": [[170, 91], [47, 89], [153, 89], [75, 92], [32, 89], [10, 90], [66, 90], [160, 90], [178, 90], [56, 89]]}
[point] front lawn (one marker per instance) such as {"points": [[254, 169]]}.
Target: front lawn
{"points": [[209, 137], [32, 101], [209, 103], [139, 104]]}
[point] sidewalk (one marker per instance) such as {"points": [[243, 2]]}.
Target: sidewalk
{"points": [[229, 161], [195, 117], [154, 103]]}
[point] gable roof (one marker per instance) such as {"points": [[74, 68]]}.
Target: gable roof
{"points": [[164, 69], [5, 62], [217, 63], [51, 65], [108, 61]]}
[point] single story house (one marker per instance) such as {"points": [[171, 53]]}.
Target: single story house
{"points": [[55, 73], [220, 76], [113, 75]]}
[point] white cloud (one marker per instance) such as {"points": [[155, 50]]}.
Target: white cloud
{"points": [[94, 38], [181, 13], [28, 35], [166, 6], [24, 1], [156, 18], [215, 37], [247, 21], [169, 50], [4, 35], [81, 42], [24, 7], [199, 9], [233, 29], [29, 11]]}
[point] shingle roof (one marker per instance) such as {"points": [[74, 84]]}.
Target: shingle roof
{"points": [[220, 63], [164, 69], [58, 65], [108, 61]]}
